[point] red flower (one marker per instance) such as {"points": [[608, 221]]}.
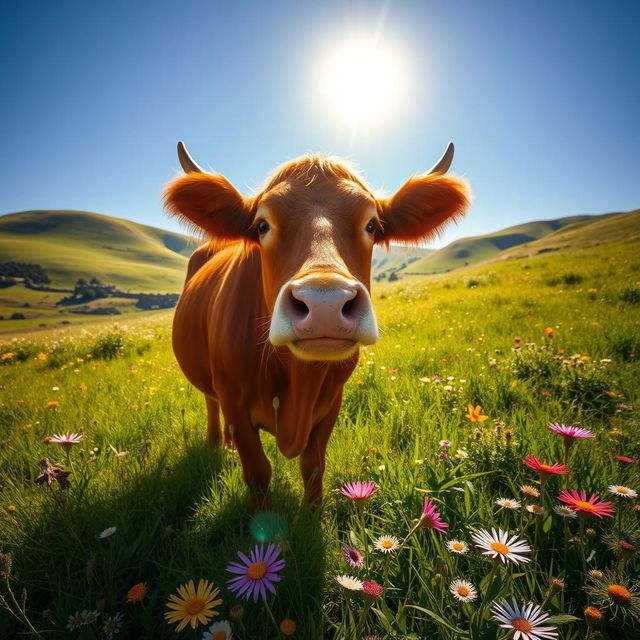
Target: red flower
{"points": [[544, 469], [372, 589], [593, 506], [625, 459]]}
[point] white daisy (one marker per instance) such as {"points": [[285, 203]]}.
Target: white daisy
{"points": [[90, 616], [349, 583], [625, 492], [107, 533], [564, 511], [461, 454], [112, 626], [506, 503], [457, 546], [536, 509], [463, 590], [497, 544], [526, 621], [76, 620], [387, 544], [220, 630]]}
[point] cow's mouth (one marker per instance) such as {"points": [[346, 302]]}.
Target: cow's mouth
{"points": [[323, 348]]}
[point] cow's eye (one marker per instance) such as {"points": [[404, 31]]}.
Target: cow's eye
{"points": [[371, 226], [263, 227]]}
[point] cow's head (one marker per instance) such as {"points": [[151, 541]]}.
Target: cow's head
{"points": [[315, 224]]}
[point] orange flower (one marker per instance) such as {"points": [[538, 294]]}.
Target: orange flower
{"points": [[549, 332], [475, 414], [288, 627], [52, 404], [137, 592]]}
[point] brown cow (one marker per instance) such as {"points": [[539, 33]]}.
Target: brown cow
{"points": [[276, 305]]}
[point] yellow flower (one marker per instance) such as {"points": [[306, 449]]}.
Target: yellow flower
{"points": [[475, 414], [8, 355], [193, 606], [137, 592], [42, 356]]}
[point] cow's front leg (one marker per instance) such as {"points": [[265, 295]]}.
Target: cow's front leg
{"points": [[312, 459], [255, 464]]}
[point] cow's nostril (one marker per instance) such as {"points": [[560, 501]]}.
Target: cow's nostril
{"points": [[349, 308], [298, 306]]}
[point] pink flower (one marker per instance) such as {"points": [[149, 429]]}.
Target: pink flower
{"points": [[430, 518], [353, 556], [592, 507], [545, 470], [372, 589], [570, 432], [359, 491], [67, 440], [625, 459]]}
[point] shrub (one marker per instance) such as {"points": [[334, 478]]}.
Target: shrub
{"points": [[630, 294]]}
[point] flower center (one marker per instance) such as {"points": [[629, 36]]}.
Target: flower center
{"points": [[387, 544], [587, 506], [500, 548], [619, 594], [463, 591], [219, 635], [520, 624], [257, 570], [194, 606], [457, 546], [623, 490]]}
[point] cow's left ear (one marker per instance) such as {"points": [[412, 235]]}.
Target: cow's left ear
{"points": [[211, 203], [422, 205]]}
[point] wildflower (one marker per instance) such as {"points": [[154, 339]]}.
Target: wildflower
{"points": [[557, 584], [8, 355], [498, 545], [546, 470], [625, 492], [137, 592], [236, 612], [475, 414], [387, 544], [192, 606], [550, 333], [461, 454], [569, 433], [288, 627], [353, 584], [625, 459], [107, 533], [353, 556], [53, 473], [91, 616], [617, 594], [430, 518], [593, 616], [595, 573], [526, 620], [76, 620], [445, 444], [42, 356], [52, 404], [67, 440], [256, 572], [463, 590], [536, 509], [626, 548], [457, 546], [564, 511], [112, 625], [592, 506], [372, 589], [505, 503], [220, 630], [529, 491], [359, 491]]}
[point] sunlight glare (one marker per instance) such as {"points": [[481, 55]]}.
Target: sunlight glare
{"points": [[362, 81]]}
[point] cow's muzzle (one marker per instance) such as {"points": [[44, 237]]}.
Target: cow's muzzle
{"points": [[323, 318]]}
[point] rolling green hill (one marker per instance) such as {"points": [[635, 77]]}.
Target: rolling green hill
{"points": [[612, 228], [80, 244], [384, 261], [468, 251]]}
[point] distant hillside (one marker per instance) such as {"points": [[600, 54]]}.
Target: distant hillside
{"points": [[384, 261], [80, 244], [468, 251], [612, 228]]}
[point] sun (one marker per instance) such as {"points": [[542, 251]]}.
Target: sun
{"points": [[362, 81]]}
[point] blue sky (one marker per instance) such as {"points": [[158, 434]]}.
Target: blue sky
{"points": [[542, 100]]}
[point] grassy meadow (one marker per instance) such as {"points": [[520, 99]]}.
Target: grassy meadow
{"points": [[554, 338]]}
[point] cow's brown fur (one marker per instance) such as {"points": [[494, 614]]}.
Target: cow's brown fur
{"points": [[319, 207]]}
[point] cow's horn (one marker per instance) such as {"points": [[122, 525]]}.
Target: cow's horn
{"points": [[442, 166], [188, 163]]}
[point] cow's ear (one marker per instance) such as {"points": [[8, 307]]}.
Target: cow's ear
{"points": [[422, 205], [211, 203]]}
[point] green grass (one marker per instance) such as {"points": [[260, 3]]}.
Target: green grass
{"points": [[470, 251], [181, 510], [74, 244]]}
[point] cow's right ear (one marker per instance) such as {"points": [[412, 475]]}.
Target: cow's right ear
{"points": [[211, 203]]}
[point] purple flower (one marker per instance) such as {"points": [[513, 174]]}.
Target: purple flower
{"points": [[53, 473], [256, 572], [353, 556]]}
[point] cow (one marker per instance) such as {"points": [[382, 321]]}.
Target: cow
{"points": [[277, 303]]}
